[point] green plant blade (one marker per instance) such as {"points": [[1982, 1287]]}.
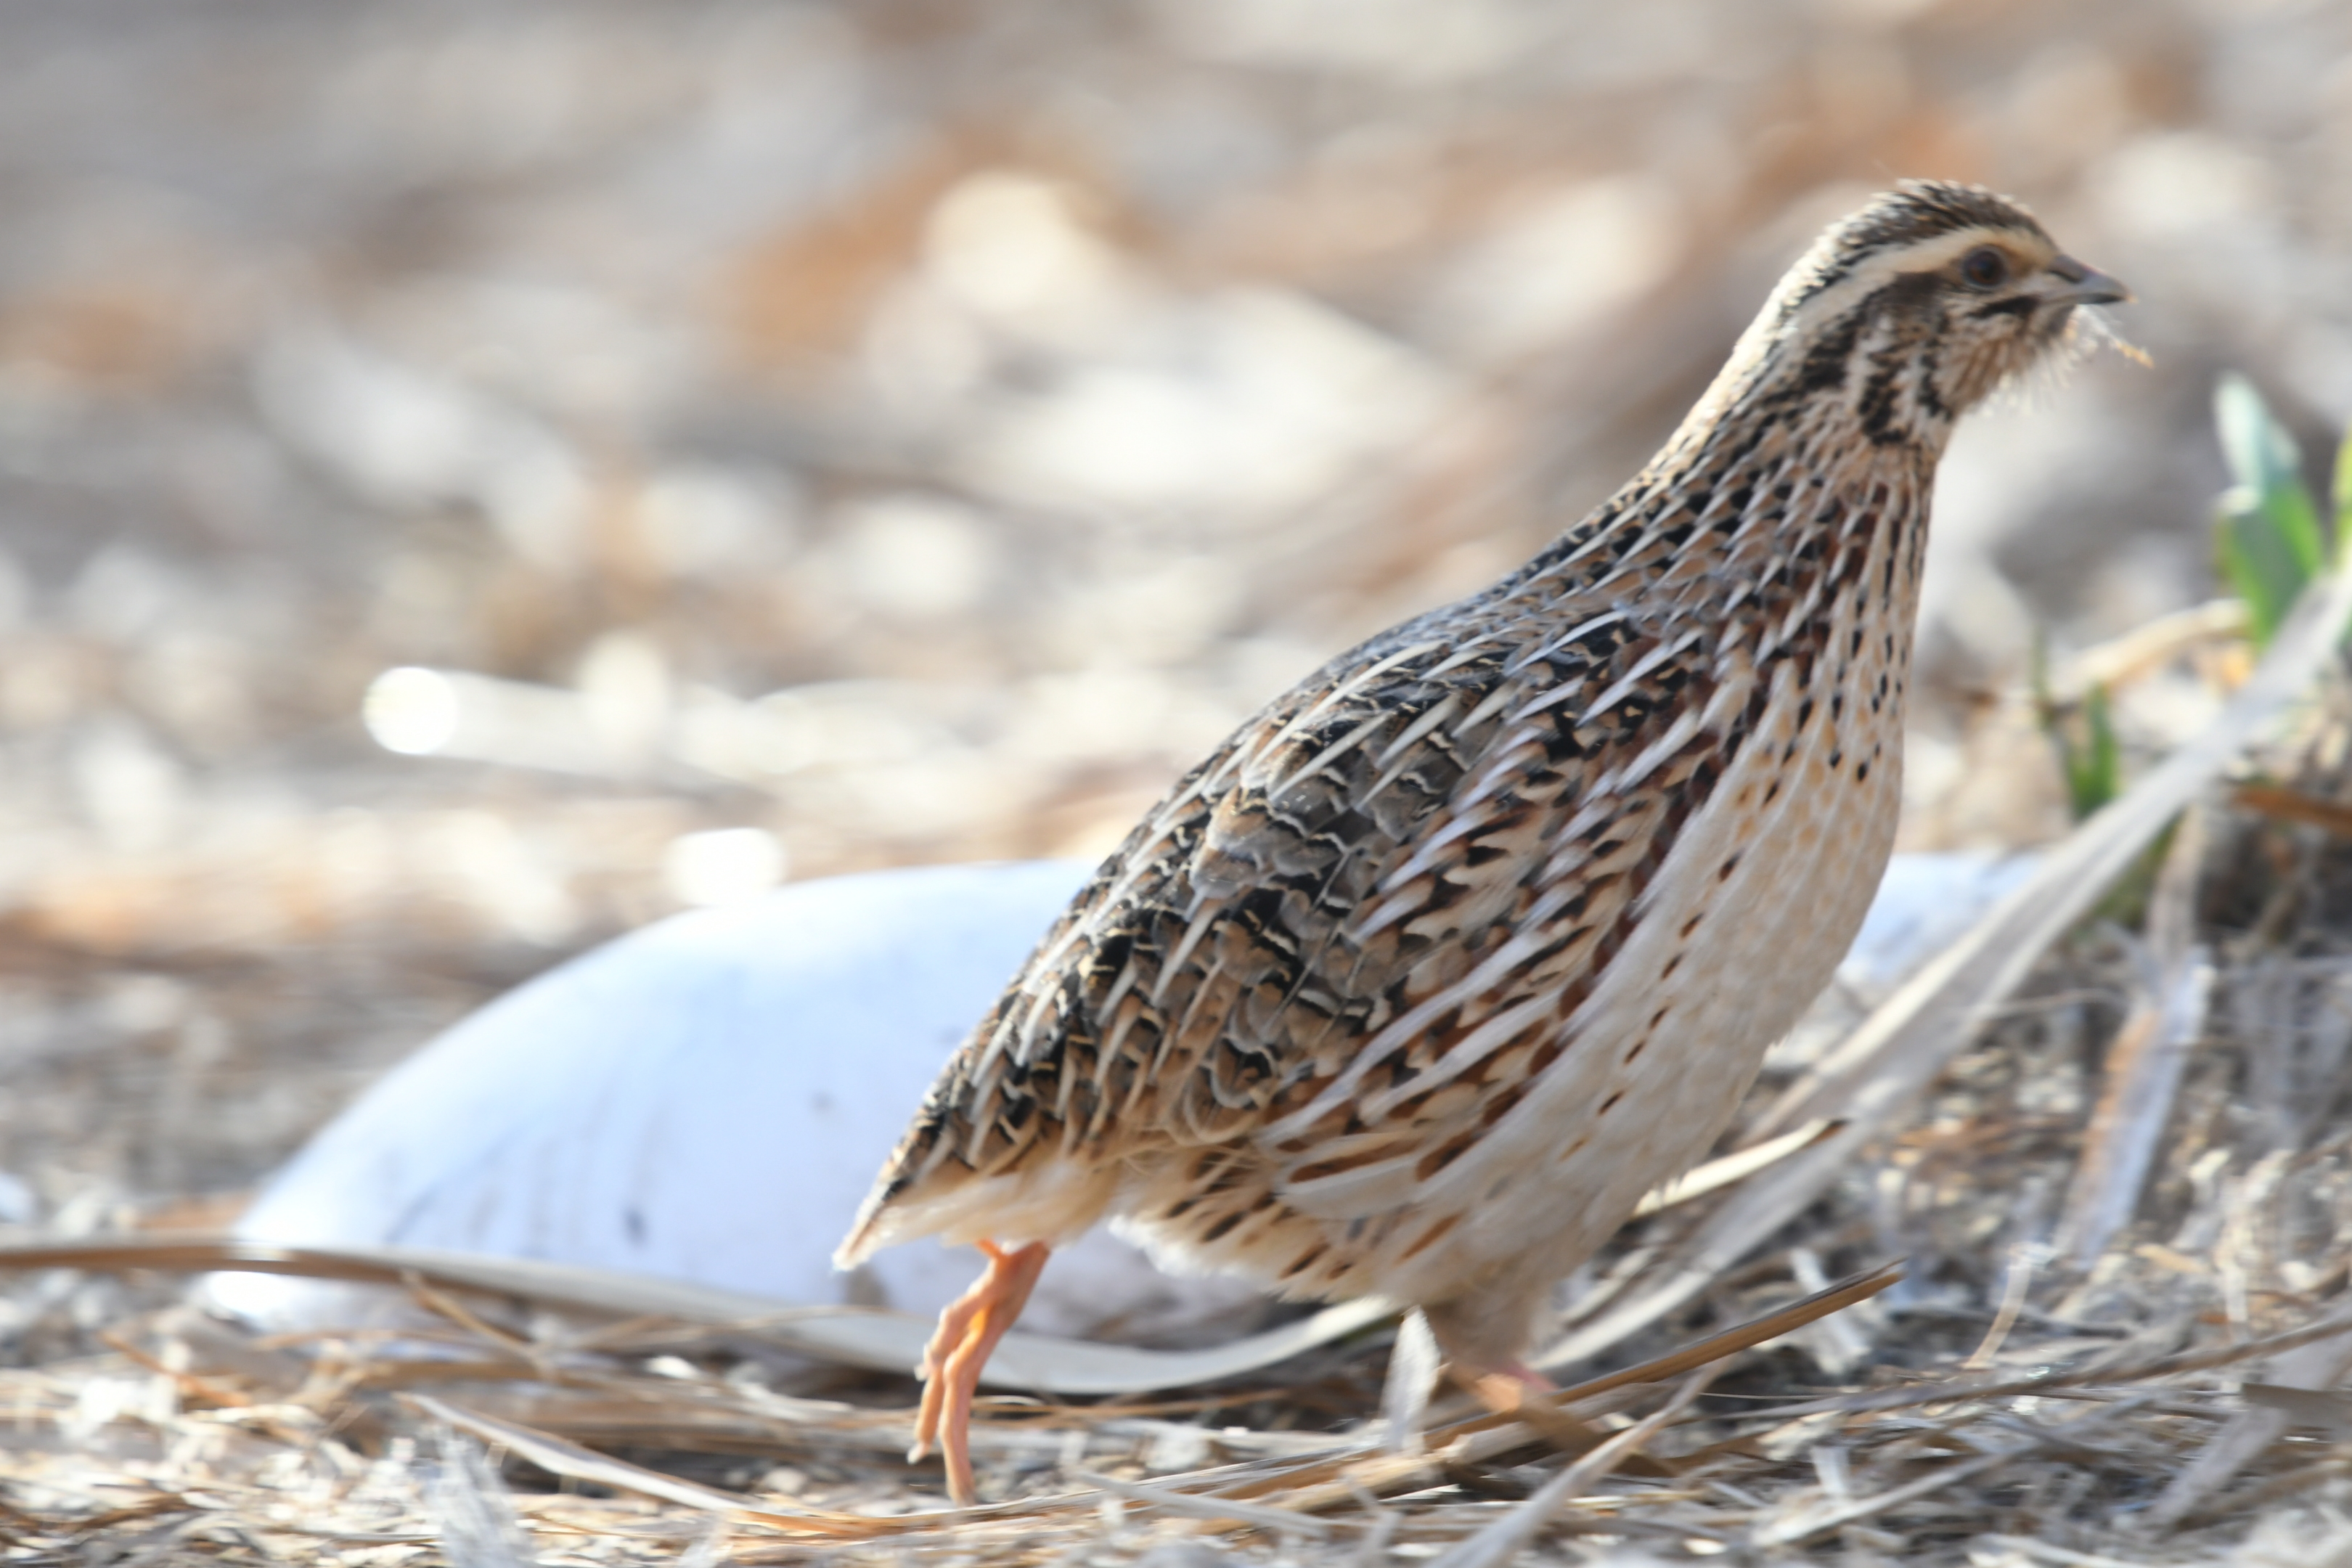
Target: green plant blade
{"points": [[2268, 533], [2094, 775], [2340, 501]]}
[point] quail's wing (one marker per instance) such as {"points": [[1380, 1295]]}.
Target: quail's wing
{"points": [[1352, 928]]}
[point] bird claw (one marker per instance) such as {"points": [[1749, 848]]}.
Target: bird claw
{"points": [[960, 1347]]}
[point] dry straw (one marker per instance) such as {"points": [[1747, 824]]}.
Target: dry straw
{"points": [[2100, 1155]]}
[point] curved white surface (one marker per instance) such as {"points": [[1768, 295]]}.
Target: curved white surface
{"points": [[707, 1099], [1924, 902]]}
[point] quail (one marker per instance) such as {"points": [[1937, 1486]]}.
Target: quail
{"points": [[1418, 982]]}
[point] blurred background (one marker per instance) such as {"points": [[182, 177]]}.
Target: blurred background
{"points": [[476, 477]]}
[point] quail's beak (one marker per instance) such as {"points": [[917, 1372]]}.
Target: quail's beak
{"points": [[2081, 285]]}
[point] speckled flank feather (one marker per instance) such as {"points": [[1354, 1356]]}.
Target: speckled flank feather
{"points": [[1420, 979]]}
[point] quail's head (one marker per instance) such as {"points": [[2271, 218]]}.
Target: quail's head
{"points": [[1918, 306]]}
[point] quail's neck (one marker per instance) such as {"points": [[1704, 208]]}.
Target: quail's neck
{"points": [[1866, 381], [1767, 492]]}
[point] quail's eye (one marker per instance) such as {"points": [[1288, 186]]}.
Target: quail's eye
{"points": [[1985, 267]]}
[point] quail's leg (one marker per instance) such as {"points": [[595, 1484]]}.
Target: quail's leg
{"points": [[959, 1348], [1520, 1392], [1511, 1389]]}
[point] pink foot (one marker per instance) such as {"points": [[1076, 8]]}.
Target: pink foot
{"points": [[960, 1345]]}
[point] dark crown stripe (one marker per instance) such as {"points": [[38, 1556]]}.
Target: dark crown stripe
{"points": [[1916, 210]]}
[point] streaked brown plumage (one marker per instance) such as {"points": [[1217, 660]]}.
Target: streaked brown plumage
{"points": [[1420, 979]]}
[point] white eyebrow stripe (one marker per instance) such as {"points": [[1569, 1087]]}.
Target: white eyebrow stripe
{"points": [[1875, 272]]}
